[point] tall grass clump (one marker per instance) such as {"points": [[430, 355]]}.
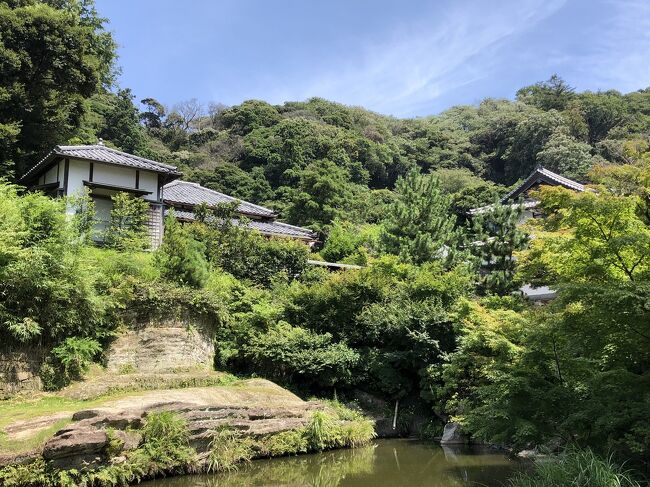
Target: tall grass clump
{"points": [[289, 442], [575, 468], [325, 430], [227, 449]]}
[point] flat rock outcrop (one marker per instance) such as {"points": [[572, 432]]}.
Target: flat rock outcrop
{"points": [[256, 408]]}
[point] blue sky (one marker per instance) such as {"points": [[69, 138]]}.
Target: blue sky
{"points": [[403, 58]]}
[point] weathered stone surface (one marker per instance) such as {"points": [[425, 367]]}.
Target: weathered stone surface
{"points": [[160, 347], [84, 443], [452, 435], [74, 447], [120, 420], [257, 409], [86, 414], [19, 367], [19, 459], [130, 439]]}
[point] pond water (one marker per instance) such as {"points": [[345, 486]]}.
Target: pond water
{"points": [[386, 463]]}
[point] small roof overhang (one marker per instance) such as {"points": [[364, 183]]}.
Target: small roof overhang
{"points": [[113, 187], [46, 186]]}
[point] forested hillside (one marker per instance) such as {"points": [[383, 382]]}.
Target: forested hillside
{"points": [[314, 161], [423, 324]]}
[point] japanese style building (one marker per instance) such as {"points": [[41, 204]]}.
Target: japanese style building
{"points": [[522, 195], [539, 177], [184, 196], [67, 170]]}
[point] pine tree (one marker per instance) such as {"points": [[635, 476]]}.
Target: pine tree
{"points": [[496, 237], [420, 226]]}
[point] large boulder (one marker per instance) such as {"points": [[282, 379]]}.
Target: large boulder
{"points": [[76, 447], [452, 435]]}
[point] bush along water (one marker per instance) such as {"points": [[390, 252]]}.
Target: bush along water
{"points": [[578, 468], [165, 449]]}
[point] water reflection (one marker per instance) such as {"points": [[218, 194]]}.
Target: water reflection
{"points": [[386, 463]]}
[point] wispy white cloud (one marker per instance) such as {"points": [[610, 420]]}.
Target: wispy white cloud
{"points": [[426, 59], [620, 56]]}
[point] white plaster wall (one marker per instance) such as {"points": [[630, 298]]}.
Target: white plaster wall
{"points": [[115, 175], [149, 182], [77, 174], [50, 176]]}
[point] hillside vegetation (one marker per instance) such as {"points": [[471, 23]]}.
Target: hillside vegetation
{"points": [[420, 325]]}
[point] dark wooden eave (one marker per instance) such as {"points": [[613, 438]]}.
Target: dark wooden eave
{"points": [[113, 187], [45, 187]]}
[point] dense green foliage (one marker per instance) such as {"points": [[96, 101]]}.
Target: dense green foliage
{"points": [[46, 285], [419, 227], [421, 321], [127, 229], [54, 57], [494, 238], [180, 257]]}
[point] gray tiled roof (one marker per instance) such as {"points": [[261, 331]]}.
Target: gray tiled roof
{"points": [[273, 228], [542, 175], [101, 153], [191, 194], [526, 204], [542, 293]]}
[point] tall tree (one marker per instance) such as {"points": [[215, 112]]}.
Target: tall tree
{"points": [[53, 57], [496, 237], [419, 227], [121, 125], [554, 93], [602, 112], [322, 194], [567, 156]]}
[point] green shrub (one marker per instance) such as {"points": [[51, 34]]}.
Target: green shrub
{"points": [[323, 432], [76, 354], [165, 446], [180, 258], [247, 254], [127, 228], [358, 432], [68, 362], [351, 242], [297, 356], [46, 288], [25, 475], [576, 468], [139, 300]]}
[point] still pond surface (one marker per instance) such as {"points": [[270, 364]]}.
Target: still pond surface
{"points": [[386, 463]]}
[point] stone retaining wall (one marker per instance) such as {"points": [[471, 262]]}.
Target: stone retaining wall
{"points": [[161, 347], [19, 367]]}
